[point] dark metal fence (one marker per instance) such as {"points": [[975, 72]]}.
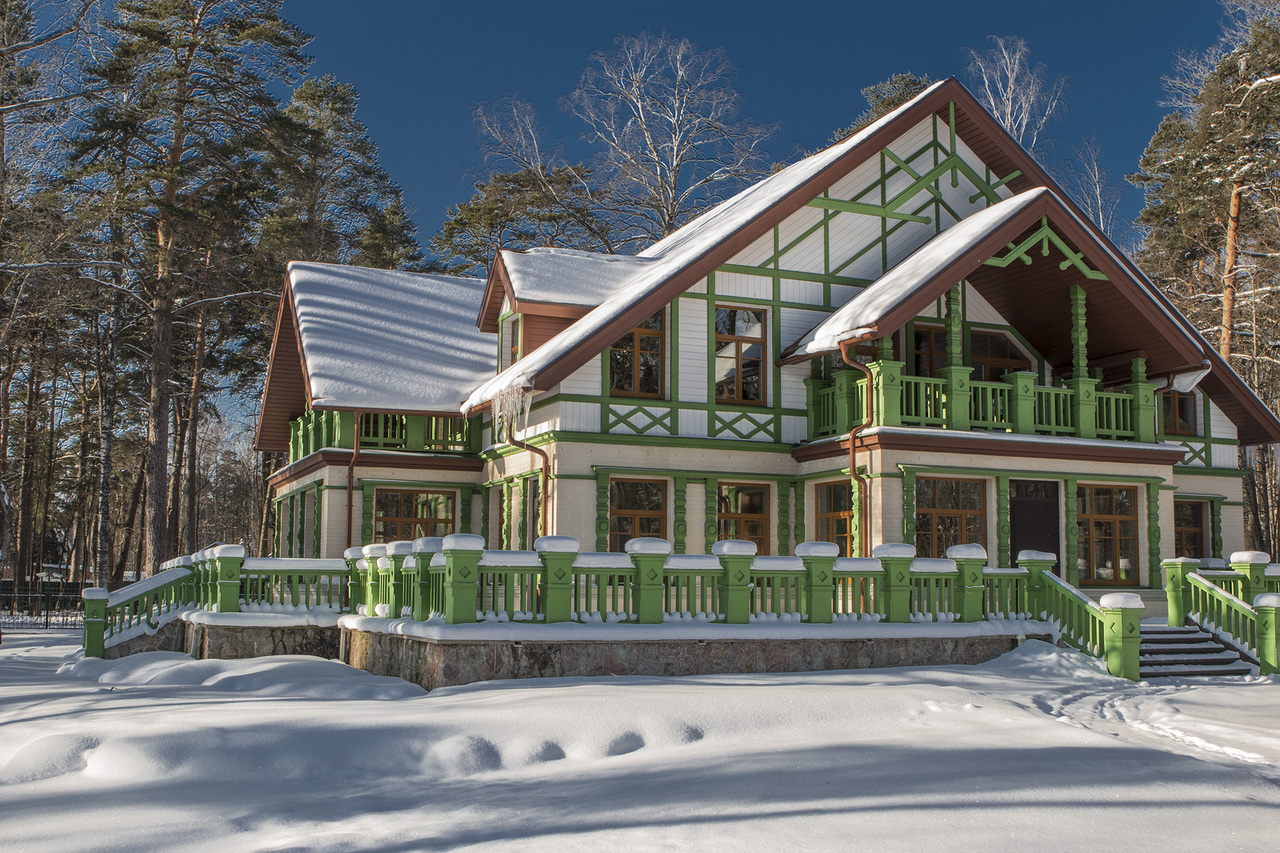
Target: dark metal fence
{"points": [[47, 605]]}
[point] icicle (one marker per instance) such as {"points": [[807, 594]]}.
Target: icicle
{"points": [[512, 405]]}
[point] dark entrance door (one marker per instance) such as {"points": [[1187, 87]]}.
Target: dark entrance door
{"points": [[1034, 514]]}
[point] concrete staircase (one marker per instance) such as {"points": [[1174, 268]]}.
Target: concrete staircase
{"points": [[1187, 651]]}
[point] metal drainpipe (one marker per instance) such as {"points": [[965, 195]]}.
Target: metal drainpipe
{"points": [[351, 470], [544, 495], [864, 492]]}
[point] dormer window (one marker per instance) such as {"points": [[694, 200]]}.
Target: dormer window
{"points": [[1179, 413], [514, 343], [636, 361]]}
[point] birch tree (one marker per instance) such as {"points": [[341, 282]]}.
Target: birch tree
{"points": [[1017, 91]]}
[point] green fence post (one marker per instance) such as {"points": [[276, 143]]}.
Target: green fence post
{"points": [[887, 391], [1143, 395], [1022, 401], [557, 554], [845, 385], [819, 560], [95, 621], [372, 591], [970, 561], [649, 556], [228, 559], [736, 556], [396, 597], [355, 583], [1037, 564], [1121, 638], [1252, 565], [1267, 605], [811, 388], [896, 560], [462, 552], [1176, 589], [425, 549]]}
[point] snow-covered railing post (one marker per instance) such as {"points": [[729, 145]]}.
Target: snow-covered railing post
{"points": [[1252, 567], [736, 556], [896, 559], [1122, 612], [95, 621], [1176, 589], [557, 554], [970, 560], [1266, 604], [1022, 401], [427, 601], [227, 560], [372, 591], [819, 560], [355, 579], [462, 552], [886, 376], [1037, 564], [648, 555], [394, 581]]}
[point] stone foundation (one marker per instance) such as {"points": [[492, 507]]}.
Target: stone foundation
{"points": [[444, 663], [231, 642], [171, 637]]}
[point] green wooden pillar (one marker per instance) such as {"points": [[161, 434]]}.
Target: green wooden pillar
{"points": [[886, 378], [856, 533], [1122, 612], [1004, 525], [1267, 606], [523, 486], [710, 518], [896, 559], [1176, 588], [649, 556], [1252, 567], [355, 579], [372, 587], [1153, 537], [784, 518], [366, 513], [1071, 569], [1084, 400], [426, 602], [466, 497], [845, 382], [557, 554], [1143, 395], [680, 527], [955, 374], [462, 552], [508, 534], [228, 559], [396, 593], [1022, 401], [1215, 528], [1037, 564], [602, 511], [319, 523], [293, 520], [486, 497], [970, 561], [736, 556], [812, 386], [798, 487], [909, 509], [95, 621], [819, 560]]}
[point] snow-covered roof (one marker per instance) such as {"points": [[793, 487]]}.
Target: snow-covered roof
{"points": [[388, 340], [568, 276], [859, 316], [672, 254]]}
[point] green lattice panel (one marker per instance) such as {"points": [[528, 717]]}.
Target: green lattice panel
{"points": [[1196, 451], [744, 425], [640, 420]]}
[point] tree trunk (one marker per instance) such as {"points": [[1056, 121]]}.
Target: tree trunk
{"points": [[193, 421], [106, 433], [157, 456], [175, 480], [118, 575], [1229, 274], [26, 476]]}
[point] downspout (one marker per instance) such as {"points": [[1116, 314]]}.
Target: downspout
{"points": [[864, 491], [351, 470], [543, 494]]}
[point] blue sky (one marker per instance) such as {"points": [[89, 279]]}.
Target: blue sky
{"points": [[421, 66]]}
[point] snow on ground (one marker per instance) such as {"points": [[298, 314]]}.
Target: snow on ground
{"points": [[1037, 750]]}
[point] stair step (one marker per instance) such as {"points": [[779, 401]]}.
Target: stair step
{"points": [[1167, 629], [1179, 648], [1240, 668], [1221, 656]]}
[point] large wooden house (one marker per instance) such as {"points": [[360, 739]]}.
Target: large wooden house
{"points": [[913, 335]]}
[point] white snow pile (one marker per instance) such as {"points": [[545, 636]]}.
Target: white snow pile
{"points": [[1039, 750]]}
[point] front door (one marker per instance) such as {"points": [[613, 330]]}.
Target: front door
{"points": [[1034, 513]]}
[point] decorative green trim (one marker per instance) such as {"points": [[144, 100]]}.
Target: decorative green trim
{"points": [[675, 404], [798, 486], [1215, 526], [784, 518], [366, 512], [1045, 235], [1034, 475], [602, 510], [294, 535], [1071, 533], [1198, 471], [710, 520], [318, 524], [1153, 536], [1004, 523], [486, 495], [508, 489], [721, 444], [909, 506], [523, 526]]}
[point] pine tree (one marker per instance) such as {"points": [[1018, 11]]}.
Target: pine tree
{"points": [[885, 97]]}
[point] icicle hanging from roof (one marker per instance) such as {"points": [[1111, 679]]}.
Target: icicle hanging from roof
{"points": [[511, 404]]}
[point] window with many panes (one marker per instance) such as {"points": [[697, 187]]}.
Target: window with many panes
{"points": [[1179, 413], [1188, 529], [1107, 544], [636, 508], [636, 361], [949, 512], [835, 515], [409, 514], [742, 512], [991, 354], [739, 358]]}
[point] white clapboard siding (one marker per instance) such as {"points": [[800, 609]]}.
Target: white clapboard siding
{"points": [[693, 422], [842, 293], [794, 430], [809, 256], [806, 292], [793, 391], [755, 254], [584, 380], [1220, 426], [979, 310], [906, 240], [731, 284], [693, 351], [580, 417], [797, 223]]}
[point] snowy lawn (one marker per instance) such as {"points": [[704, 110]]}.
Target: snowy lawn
{"points": [[1039, 750]]}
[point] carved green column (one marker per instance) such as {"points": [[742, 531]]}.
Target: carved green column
{"points": [[798, 486], [1143, 395], [1084, 400], [1215, 528], [602, 511], [462, 552], [710, 521], [819, 560], [486, 496], [784, 518], [508, 496], [735, 556], [1176, 589], [956, 375], [95, 621], [1122, 614], [1071, 571], [648, 555], [886, 379], [681, 526], [228, 559], [909, 508], [1022, 401], [1004, 525], [970, 561], [1153, 536], [557, 554]]}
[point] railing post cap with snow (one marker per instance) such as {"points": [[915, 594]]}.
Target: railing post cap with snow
{"points": [[734, 548], [399, 548], [226, 552], [1195, 561], [1262, 599], [1250, 557], [463, 542], [428, 544], [894, 550], [556, 545], [1038, 556], [647, 545], [353, 553], [1121, 601], [817, 549], [377, 549], [94, 593], [972, 551]]}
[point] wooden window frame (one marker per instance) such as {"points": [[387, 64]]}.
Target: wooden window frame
{"points": [[845, 542], [513, 348], [1180, 533], [936, 333], [635, 334], [635, 514], [739, 342], [1169, 403], [379, 520], [964, 514], [1085, 537], [764, 545]]}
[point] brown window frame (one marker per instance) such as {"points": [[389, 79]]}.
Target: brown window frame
{"points": [[1085, 536], [832, 518], [380, 520], [763, 544], [936, 353], [933, 513], [635, 334], [1169, 405], [740, 342], [635, 514], [517, 329], [1180, 532]]}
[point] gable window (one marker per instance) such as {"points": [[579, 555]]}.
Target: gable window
{"points": [[636, 508], [742, 512], [409, 514], [739, 367], [1179, 413], [991, 354], [835, 515], [949, 512], [1107, 523], [514, 343], [636, 361], [1188, 529]]}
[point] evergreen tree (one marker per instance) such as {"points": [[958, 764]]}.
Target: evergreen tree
{"points": [[885, 97]]}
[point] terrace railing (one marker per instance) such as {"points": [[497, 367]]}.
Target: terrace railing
{"points": [[1219, 602], [317, 430]]}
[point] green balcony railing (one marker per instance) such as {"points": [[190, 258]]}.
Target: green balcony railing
{"points": [[924, 401], [381, 431]]}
